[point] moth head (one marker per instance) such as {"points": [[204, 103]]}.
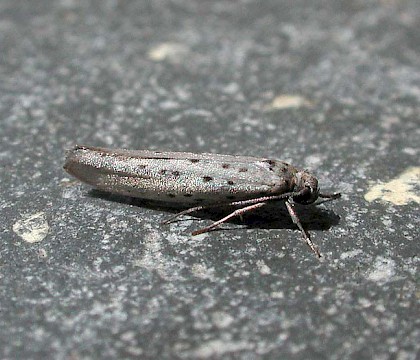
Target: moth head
{"points": [[307, 186]]}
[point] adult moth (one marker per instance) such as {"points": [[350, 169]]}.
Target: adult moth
{"points": [[200, 181]]}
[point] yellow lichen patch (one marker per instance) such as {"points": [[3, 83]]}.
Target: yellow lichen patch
{"points": [[32, 228], [288, 101], [399, 191], [168, 51]]}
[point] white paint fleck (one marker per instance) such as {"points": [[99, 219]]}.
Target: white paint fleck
{"points": [[128, 336], [332, 310], [399, 191], [382, 270], [190, 114], [222, 319], [201, 271], [169, 105], [118, 269], [168, 51], [313, 160], [277, 295], [410, 151], [134, 350], [231, 88], [364, 302], [350, 254], [263, 268], [217, 348], [286, 101], [32, 227]]}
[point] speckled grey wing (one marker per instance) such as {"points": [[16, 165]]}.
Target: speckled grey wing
{"points": [[178, 176]]}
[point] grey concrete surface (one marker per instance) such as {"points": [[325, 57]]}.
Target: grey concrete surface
{"points": [[332, 86]]}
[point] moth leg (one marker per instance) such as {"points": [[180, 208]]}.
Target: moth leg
{"points": [[237, 212], [330, 196], [295, 219], [327, 197], [184, 212], [232, 203]]}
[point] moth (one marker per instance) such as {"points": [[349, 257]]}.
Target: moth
{"points": [[198, 181]]}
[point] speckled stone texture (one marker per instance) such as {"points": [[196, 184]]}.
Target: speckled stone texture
{"points": [[332, 86]]}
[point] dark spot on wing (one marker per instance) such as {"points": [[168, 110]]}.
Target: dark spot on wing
{"points": [[175, 173], [194, 160], [243, 170], [230, 182], [188, 195], [207, 178], [142, 166], [225, 166], [271, 164], [163, 172]]}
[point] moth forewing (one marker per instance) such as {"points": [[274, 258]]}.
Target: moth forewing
{"points": [[178, 177]]}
